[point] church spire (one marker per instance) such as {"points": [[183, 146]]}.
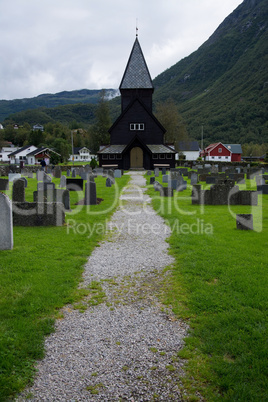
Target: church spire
{"points": [[136, 75]]}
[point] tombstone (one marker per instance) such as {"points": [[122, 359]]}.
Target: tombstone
{"points": [[152, 180], [90, 194], [25, 181], [164, 170], [244, 221], [63, 181], [48, 170], [88, 169], [40, 175], [68, 173], [117, 173], [99, 171], [83, 175], [149, 173], [166, 192], [108, 182], [73, 184], [194, 178], [6, 223], [73, 173], [38, 214], [156, 172], [215, 169], [18, 191], [182, 185], [57, 172], [4, 184], [263, 188], [173, 183], [45, 186], [157, 186], [13, 176], [259, 180], [211, 180], [47, 178], [30, 175], [52, 196], [165, 178]]}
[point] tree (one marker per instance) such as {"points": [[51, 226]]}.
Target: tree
{"points": [[99, 132], [168, 115]]}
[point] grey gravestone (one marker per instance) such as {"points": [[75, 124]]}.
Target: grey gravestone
{"points": [[63, 181], [88, 168], [182, 185], [47, 178], [152, 180], [165, 178], [14, 176], [173, 183], [194, 178], [45, 186], [164, 170], [166, 192], [25, 181], [4, 184], [117, 173], [157, 186], [18, 191], [68, 173], [149, 173], [108, 182], [40, 175], [73, 173], [57, 172], [30, 175], [263, 188], [90, 193], [244, 221], [156, 172], [6, 223]]}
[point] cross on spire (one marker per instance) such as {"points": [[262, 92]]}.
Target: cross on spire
{"points": [[137, 27]]}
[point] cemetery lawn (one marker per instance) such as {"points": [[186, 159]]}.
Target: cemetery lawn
{"points": [[41, 275], [219, 285]]}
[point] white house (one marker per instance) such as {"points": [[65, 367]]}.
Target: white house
{"points": [[81, 154], [21, 154], [190, 149], [38, 127], [37, 155], [5, 152]]}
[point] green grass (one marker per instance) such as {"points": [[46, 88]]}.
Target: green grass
{"points": [[39, 276], [219, 284]]}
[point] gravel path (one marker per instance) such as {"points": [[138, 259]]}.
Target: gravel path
{"points": [[119, 343]]}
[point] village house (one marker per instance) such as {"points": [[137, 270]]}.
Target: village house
{"points": [[38, 127], [219, 152], [20, 155], [5, 152], [189, 150], [136, 137], [36, 156], [81, 154]]}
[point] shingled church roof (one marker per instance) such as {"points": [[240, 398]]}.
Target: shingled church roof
{"points": [[136, 74]]}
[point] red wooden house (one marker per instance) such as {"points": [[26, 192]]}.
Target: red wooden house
{"points": [[219, 152]]}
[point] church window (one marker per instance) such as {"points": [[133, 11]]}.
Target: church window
{"points": [[137, 126]]}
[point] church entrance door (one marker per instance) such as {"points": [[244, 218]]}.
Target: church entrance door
{"points": [[136, 157]]}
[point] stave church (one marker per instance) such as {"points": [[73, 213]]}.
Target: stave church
{"points": [[136, 137]]}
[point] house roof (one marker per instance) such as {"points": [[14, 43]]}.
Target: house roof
{"points": [[136, 74], [77, 149], [112, 149], [234, 148], [160, 149], [20, 150], [39, 150], [188, 146]]}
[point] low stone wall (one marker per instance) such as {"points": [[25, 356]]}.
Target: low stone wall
{"points": [[38, 214]]}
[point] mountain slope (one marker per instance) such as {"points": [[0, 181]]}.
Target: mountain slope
{"points": [[223, 85], [84, 96]]}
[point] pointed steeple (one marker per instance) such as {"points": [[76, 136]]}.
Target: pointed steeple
{"points": [[136, 75]]}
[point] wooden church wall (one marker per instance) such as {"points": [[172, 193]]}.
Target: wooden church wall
{"points": [[121, 133]]}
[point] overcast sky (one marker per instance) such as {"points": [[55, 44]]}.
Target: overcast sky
{"points": [[48, 46]]}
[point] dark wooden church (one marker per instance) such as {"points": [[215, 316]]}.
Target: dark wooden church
{"points": [[136, 137]]}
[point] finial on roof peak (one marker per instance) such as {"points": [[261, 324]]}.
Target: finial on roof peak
{"points": [[137, 27]]}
